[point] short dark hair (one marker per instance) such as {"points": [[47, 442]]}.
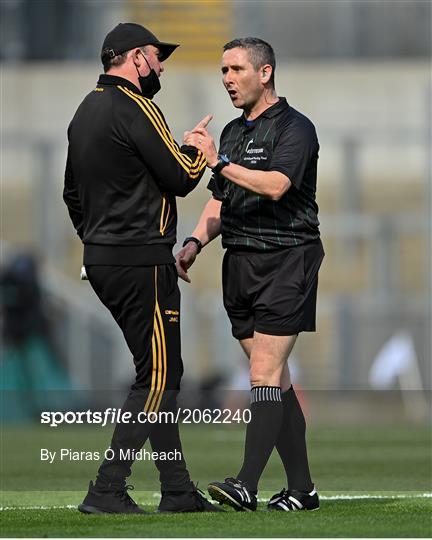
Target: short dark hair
{"points": [[113, 61], [260, 52]]}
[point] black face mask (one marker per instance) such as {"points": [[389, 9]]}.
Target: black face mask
{"points": [[150, 84]]}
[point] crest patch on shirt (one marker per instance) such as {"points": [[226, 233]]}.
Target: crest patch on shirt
{"points": [[255, 153]]}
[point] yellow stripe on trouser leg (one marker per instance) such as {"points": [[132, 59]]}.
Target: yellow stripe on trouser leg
{"points": [[154, 351], [160, 364], [164, 355], [154, 370]]}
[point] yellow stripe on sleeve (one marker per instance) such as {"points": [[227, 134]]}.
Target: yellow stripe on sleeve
{"points": [[161, 227], [184, 160], [142, 102], [151, 106], [153, 110], [166, 219]]}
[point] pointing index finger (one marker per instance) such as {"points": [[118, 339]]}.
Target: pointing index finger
{"points": [[204, 122], [201, 131]]}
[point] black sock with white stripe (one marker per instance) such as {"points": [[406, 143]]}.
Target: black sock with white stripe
{"points": [[291, 444], [261, 433]]}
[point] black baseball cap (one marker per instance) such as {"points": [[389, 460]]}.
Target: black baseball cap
{"points": [[127, 36]]}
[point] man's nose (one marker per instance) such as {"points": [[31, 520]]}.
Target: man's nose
{"points": [[161, 67]]}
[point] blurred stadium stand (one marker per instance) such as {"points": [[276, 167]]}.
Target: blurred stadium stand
{"points": [[74, 29], [360, 70]]}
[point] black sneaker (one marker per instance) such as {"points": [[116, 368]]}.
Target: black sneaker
{"points": [[235, 493], [186, 501], [290, 500], [119, 501]]}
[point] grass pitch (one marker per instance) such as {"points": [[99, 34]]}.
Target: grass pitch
{"points": [[379, 517], [373, 482]]}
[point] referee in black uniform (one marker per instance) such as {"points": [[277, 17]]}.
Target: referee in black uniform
{"points": [[263, 205], [123, 173]]}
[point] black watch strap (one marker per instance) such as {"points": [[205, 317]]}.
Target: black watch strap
{"points": [[223, 161], [193, 239]]}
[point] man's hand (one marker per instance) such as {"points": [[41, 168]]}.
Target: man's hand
{"points": [[185, 259], [205, 143], [202, 124], [201, 139]]}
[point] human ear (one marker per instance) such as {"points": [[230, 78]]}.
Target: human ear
{"points": [[265, 73]]}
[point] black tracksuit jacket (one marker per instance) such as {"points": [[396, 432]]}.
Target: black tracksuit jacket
{"points": [[123, 173]]}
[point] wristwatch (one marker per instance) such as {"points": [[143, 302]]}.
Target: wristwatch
{"points": [[195, 240], [223, 161]]}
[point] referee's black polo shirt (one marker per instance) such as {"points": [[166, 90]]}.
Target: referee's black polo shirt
{"points": [[280, 139]]}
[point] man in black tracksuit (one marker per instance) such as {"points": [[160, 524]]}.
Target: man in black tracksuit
{"points": [[123, 173]]}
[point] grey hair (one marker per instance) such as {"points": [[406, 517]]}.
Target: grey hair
{"points": [[109, 62]]}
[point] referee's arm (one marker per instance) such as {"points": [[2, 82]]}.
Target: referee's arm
{"points": [[208, 228], [271, 184], [209, 224]]}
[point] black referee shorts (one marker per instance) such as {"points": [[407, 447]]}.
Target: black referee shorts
{"points": [[145, 302], [272, 293]]}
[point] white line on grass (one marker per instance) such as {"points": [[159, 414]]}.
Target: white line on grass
{"points": [[64, 507], [322, 498], [357, 497], [354, 497]]}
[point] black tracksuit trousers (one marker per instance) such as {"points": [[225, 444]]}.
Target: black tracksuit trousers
{"points": [[145, 303]]}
